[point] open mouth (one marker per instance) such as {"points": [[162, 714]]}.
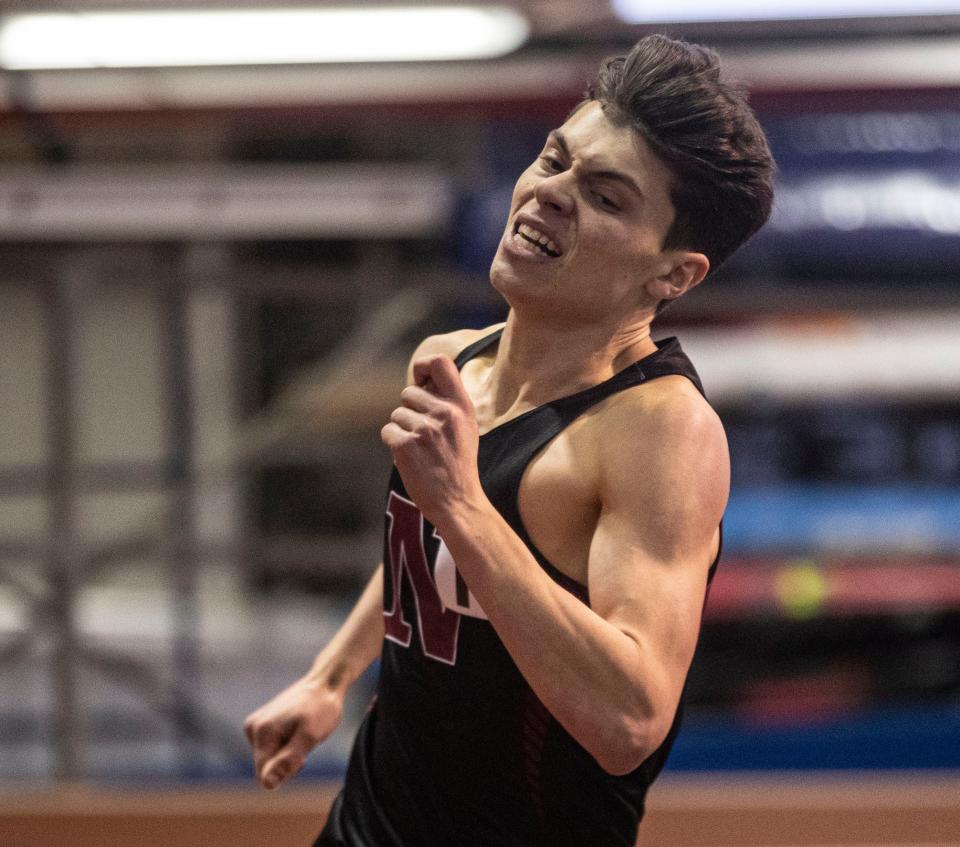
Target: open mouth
{"points": [[537, 239]]}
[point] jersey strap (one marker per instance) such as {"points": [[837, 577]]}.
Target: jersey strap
{"points": [[668, 359]]}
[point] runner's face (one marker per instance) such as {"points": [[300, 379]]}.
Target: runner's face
{"points": [[596, 202]]}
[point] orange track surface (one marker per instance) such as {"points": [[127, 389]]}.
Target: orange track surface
{"points": [[907, 810]]}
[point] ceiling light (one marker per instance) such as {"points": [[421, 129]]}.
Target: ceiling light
{"points": [[258, 37], [689, 11]]}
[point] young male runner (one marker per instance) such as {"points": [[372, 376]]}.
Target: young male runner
{"points": [[553, 517]]}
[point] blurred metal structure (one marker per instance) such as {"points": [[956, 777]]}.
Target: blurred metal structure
{"points": [[165, 202], [63, 570], [849, 64], [181, 539], [56, 206], [69, 564], [173, 207]]}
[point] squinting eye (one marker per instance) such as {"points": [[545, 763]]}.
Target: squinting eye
{"points": [[605, 201], [551, 163]]}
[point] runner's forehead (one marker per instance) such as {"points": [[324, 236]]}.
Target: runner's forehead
{"points": [[609, 149]]}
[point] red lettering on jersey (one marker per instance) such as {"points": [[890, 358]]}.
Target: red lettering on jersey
{"points": [[438, 626]]}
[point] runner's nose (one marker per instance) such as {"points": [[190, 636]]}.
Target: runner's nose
{"points": [[556, 192]]}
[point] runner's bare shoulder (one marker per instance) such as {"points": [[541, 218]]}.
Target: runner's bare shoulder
{"points": [[448, 344]]}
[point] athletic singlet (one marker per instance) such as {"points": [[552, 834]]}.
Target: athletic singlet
{"points": [[456, 749]]}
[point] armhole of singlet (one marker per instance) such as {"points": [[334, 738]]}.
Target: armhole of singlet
{"points": [[478, 346]]}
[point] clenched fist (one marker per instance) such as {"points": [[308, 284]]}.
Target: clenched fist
{"points": [[433, 437], [284, 730]]}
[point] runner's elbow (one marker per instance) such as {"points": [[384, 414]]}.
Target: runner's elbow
{"points": [[632, 744]]}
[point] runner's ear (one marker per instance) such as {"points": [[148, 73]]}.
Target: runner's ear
{"points": [[686, 270]]}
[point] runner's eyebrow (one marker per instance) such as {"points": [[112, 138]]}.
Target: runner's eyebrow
{"points": [[557, 138]]}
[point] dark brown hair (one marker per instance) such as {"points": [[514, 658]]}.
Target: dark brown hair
{"points": [[671, 93]]}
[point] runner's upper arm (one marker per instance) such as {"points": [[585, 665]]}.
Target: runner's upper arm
{"points": [[657, 535]]}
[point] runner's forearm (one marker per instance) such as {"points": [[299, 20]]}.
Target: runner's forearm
{"points": [[357, 643], [559, 644]]}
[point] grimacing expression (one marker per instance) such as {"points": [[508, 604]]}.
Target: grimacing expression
{"points": [[587, 221]]}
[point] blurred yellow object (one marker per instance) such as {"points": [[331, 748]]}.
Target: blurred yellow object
{"points": [[801, 589]]}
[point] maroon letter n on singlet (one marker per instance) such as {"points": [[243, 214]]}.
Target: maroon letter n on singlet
{"points": [[437, 625]]}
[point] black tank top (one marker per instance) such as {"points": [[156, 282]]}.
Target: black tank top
{"points": [[456, 749]]}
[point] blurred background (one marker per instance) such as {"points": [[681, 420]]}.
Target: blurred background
{"points": [[221, 235]]}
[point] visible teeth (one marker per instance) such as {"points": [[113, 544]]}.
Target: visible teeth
{"points": [[538, 238]]}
